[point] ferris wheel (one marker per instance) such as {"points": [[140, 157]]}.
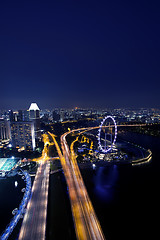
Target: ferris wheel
{"points": [[107, 134]]}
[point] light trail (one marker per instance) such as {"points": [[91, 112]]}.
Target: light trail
{"points": [[86, 223], [143, 160], [44, 156], [134, 162], [34, 222]]}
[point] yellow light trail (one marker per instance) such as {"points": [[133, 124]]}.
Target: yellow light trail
{"points": [[34, 222], [86, 223], [44, 156]]}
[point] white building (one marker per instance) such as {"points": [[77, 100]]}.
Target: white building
{"points": [[34, 115]]}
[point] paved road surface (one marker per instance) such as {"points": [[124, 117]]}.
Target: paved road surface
{"points": [[34, 222]]}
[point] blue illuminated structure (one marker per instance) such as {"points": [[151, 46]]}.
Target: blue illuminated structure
{"points": [[6, 164], [21, 209], [106, 150]]}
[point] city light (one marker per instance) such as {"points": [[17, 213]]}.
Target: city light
{"points": [[79, 120]]}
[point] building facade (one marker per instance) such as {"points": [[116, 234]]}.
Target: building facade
{"points": [[23, 134], [5, 133], [34, 116]]}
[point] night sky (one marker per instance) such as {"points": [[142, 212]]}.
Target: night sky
{"points": [[79, 53]]}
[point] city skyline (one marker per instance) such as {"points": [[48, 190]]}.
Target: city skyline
{"points": [[79, 119], [80, 54]]}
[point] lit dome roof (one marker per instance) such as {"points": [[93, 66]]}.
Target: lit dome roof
{"points": [[34, 107]]}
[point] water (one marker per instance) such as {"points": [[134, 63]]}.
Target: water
{"points": [[125, 198], [10, 198], [59, 217]]}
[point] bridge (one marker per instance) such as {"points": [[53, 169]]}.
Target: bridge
{"points": [[21, 209], [86, 222], [34, 222]]}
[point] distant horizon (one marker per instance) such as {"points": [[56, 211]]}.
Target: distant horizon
{"points": [[83, 108]]}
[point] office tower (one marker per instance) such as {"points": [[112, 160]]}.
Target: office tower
{"points": [[62, 115], [34, 115], [55, 116], [11, 116], [20, 116], [26, 115], [4, 130], [23, 134]]}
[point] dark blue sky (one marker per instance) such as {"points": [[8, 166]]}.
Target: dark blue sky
{"points": [[80, 53]]}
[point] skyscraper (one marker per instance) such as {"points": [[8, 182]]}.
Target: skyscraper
{"points": [[20, 116], [11, 116], [4, 130], [55, 116], [34, 115]]}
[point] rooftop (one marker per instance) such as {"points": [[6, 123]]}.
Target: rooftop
{"points": [[34, 107]]}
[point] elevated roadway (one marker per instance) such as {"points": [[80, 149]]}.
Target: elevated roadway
{"points": [[86, 223], [34, 222]]}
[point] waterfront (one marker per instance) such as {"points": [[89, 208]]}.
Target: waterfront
{"points": [[125, 198], [11, 197]]}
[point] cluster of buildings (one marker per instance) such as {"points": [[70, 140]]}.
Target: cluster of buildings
{"points": [[121, 115], [20, 129]]}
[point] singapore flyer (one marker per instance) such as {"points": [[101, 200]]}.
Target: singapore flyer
{"points": [[106, 135]]}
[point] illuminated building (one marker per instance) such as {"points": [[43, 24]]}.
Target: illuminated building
{"points": [[20, 116], [23, 134], [4, 130], [34, 115], [26, 115], [55, 116], [62, 115], [11, 116]]}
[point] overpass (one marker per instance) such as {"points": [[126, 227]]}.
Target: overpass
{"points": [[21, 208], [86, 223], [34, 222]]}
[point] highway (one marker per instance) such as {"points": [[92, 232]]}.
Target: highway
{"points": [[91, 223], [86, 223], [34, 222]]}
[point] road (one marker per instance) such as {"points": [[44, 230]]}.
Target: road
{"points": [[34, 222], [86, 223], [91, 224]]}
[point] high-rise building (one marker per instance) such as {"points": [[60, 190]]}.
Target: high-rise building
{"points": [[20, 116], [23, 134], [55, 116], [34, 115], [15, 116], [4, 130], [62, 115], [26, 115], [11, 116]]}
